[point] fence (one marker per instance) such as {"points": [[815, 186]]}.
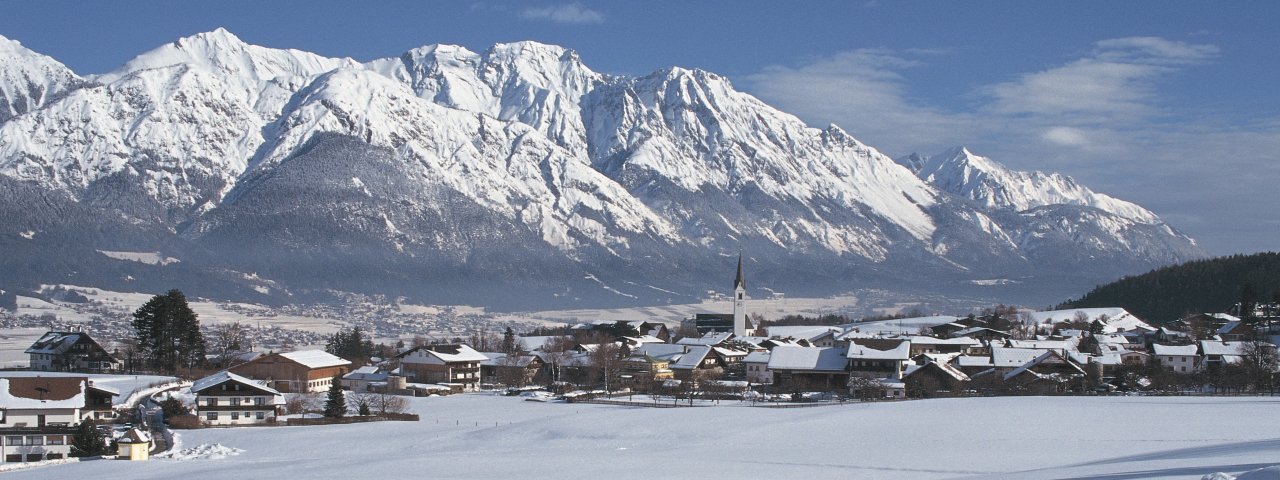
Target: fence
{"points": [[387, 417]]}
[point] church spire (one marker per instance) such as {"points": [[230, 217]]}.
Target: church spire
{"points": [[739, 281]]}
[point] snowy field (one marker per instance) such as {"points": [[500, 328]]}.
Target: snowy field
{"points": [[487, 436]]}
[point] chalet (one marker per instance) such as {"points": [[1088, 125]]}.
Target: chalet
{"points": [[444, 364], [1218, 353], [973, 364], [934, 376], [38, 416], [511, 370], [808, 368], [698, 360], [643, 369], [757, 364], [1006, 359], [70, 352], [1177, 358], [1050, 372], [225, 398], [1236, 331], [878, 357], [295, 372]]}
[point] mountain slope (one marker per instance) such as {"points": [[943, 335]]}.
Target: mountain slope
{"points": [[1210, 285], [520, 175], [29, 80]]}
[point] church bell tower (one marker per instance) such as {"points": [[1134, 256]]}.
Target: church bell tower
{"points": [[739, 302]]}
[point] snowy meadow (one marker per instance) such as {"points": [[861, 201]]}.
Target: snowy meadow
{"points": [[489, 436]]}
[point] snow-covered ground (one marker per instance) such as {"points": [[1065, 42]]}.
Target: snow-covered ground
{"points": [[487, 436]]}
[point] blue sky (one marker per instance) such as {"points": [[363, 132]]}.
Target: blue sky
{"points": [[1172, 105]]}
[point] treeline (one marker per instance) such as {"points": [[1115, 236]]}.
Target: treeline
{"points": [[1171, 292]]}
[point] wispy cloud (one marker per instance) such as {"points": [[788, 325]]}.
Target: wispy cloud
{"points": [[572, 13], [1116, 82], [863, 91]]}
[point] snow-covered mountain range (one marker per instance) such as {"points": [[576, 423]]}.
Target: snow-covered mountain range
{"points": [[515, 176]]}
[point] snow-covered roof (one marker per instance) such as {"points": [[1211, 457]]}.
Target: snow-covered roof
{"points": [[973, 361], [499, 359], [943, 367], [1060, 345], [710, 338], [1118, 319], [315, 358], [42, 392], [57, 343], [757, 357], [729, 352], [807, 358], [923, 340], [660, 350], [875, 349], [452, 353], [692, 359], [1215, 347], [368, 373], [225, 376], [1111, 339], [1175, 350], [1014, 357], [1225, 316], [807, 332], [1036, 361], [135, 435]]}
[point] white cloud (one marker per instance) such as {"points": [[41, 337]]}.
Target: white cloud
{"points": [[572, 13], [1115, 83], [1066, 136], [863, 91]]}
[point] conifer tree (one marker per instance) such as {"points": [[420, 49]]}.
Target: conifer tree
{"points": [[335, 405], [168, 332], [88, 441]]}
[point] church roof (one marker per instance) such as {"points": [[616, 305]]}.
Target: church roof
{"points": [[739, 280]]}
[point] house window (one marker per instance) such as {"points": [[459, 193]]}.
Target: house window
{"points": [[35, 440], [55, 440], [211, 401], [262, 415], [235, 415], [211, 416], [259, 401], [235, 402], [13, 441]]}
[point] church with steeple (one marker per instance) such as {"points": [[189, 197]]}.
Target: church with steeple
{"points": [[735, 323]]}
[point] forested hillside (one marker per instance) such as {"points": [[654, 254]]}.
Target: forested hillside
{"points": [[1210, 285]]}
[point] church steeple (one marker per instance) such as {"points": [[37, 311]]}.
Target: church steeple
{"points": [[739, 302], [740, 281]]}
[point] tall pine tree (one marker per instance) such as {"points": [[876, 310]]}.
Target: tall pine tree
{"points": [[336, 404], [88, 441], [168, 333]]}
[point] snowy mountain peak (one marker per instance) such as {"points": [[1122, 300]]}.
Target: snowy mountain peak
{"points": [[992, 185], [221, 52], [28, 80]]}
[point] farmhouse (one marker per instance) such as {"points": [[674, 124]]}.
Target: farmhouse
{"points": [[70, 352], [225, 398], [445, 364], [295, 372], [38, 415]]}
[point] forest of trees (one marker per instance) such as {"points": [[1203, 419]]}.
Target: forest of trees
{"points": [[1210, 285]]}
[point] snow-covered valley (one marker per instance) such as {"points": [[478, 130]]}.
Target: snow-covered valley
{"points": [[488, 436]]}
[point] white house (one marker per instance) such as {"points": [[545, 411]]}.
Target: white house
{"points": [[455, 364], [225, 398], [1177, 358], [757, 364], [38, 416]]}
